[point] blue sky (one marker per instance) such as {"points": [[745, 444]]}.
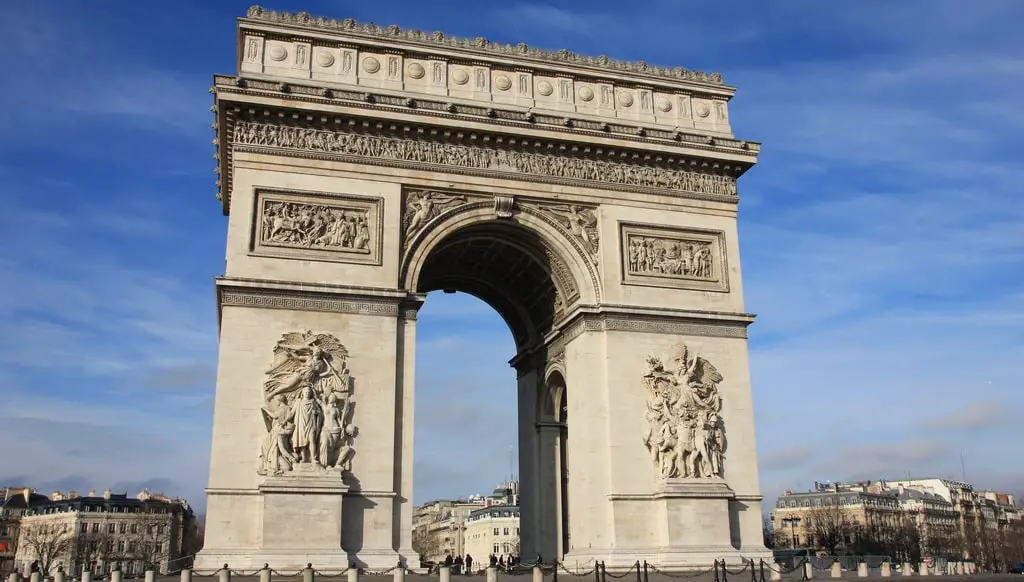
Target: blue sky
{"points": [[882, 233]]}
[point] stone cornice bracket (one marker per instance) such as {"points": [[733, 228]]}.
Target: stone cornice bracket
{"points": [[503, 206], [480, 46]]}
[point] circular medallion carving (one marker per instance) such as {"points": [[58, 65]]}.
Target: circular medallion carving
{"points": [[324, 59], [460, 77], [503, 83], [416, 71], [371, 65], [586, 93], [277, 53], [664, 104], [545, 88], [625, 98], [702, 110]]}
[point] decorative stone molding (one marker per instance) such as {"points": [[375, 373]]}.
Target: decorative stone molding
{"points": [[423, 206], [478, 45], [303, 301], [317, 226], [679, 258], [685, 433], [518, 164]]}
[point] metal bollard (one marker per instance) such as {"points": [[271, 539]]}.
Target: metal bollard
{"points": [[886, 569], [492, 574], [837, 570], [446, 573], [150, 576], [186, 575], [265, 573], [224, 574], [538, 574], [862, 570], [308, 574]]}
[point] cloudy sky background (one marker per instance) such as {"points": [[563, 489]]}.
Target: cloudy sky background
{"points": [[882, 233]]}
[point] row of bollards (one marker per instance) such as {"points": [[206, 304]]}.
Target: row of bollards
{"points": [[61, 576], [886, 571]]}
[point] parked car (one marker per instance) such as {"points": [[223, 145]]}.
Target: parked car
{"points": [[1017, 568]]}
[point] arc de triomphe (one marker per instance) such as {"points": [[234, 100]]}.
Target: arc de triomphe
{"points": [[591, 202]]}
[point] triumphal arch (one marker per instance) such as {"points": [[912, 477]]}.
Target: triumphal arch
{"points": [[591, 202]]}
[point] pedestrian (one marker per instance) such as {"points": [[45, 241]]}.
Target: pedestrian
{"points": [[469, 564]]}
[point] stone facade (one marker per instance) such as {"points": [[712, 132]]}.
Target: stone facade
{"points": [[361, 168]]}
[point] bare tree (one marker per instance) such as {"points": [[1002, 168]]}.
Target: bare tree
{"points": [[47, 543], [829, 525], [93, 547], [428, 546], [148, 541]]}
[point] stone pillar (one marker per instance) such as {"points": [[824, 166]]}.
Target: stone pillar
{"points": [[862, 570], [353, 574], [529, 466], [446, 573], [150, 576], [886, 569], [399, 575], [776, 571], [538, 574], [116, 575], [87, 576], [837, 570], [307, 573], [492, 574], [186, 575], [405, 405], [266, 573], [13, 577], [939, 571], [35, 577], [548, 434], [923, 568], [59, 576], [808, 570], [907, 569], [224, 575]]}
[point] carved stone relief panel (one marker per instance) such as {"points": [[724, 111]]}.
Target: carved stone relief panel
{"points": [[308, 406], [422, 206], [318, 226], [685, 434], [579, 221], [659, 256]]}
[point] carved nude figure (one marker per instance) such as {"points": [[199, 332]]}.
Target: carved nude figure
{"points": [[275, 454], [330, 435], [423, 209]]}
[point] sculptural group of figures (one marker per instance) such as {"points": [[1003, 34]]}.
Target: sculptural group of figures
{"points": [[314, 226], [685, 434], [308, 405], [670, 257]]}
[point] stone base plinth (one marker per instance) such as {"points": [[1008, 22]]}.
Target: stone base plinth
{"points": [[300, 522], [687, 525]]}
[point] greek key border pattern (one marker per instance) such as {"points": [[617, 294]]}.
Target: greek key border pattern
{"points": [[306, 302]]}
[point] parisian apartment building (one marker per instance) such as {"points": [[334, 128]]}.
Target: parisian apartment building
{"points": [[941, 509], [477, 526], [96, 532]]}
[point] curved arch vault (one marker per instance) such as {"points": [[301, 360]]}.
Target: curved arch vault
{"points": [[592, 204]]}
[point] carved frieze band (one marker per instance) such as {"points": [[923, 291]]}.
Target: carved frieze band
{"points": [[579, 222], [421, 154], [658, 256], [297, 301], [645, 325], [318, 226]]}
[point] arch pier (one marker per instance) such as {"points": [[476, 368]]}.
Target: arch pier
{"points": [[591, 203]]}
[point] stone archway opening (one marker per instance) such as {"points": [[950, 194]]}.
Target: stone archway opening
{"points": [[508, 266]]}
